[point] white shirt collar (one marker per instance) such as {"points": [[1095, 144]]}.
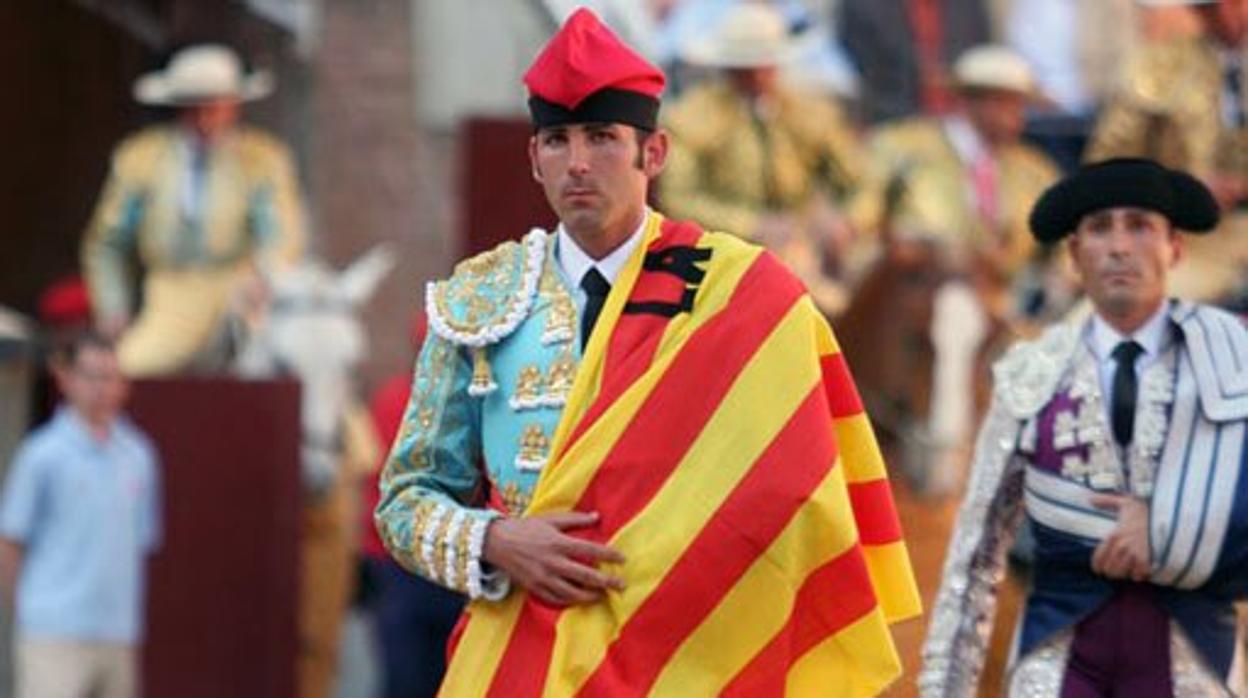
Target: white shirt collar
{"points": [[1153, 335], [575, 262], [965, 140]]}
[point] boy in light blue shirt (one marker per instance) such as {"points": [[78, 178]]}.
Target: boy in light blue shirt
{"points": [[79, 513]]}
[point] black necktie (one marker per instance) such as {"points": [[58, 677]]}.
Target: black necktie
{"points": [[1122, 410], [596, 289]]}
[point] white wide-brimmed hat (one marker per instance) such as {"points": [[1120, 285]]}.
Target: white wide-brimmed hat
{"points": [[750, 35], [201, 73], [993, 67]]}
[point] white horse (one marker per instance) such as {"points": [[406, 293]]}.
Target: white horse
{"points": [[310, 331], [960, 326]]}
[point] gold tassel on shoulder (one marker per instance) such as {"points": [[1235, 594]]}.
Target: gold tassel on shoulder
{"points": [[482, 380]]}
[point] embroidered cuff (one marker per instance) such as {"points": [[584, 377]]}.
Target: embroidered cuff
{"points": [[430, 543], [492, 584], [448, 551]]}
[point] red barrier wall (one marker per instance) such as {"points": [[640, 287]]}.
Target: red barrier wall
{"points": [[501, 200], [222, 595]]}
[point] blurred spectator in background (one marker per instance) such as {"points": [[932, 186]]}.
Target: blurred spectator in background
{"points": [[80, 513], [1075, 49], [817, 60], [192, 208], [964, 179], [1168, 100], [1180, 100], [414, 616], [750, 154], [902, 50], [820, 63]]}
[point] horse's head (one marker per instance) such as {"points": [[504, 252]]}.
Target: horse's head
{"points": [[310, 331]]}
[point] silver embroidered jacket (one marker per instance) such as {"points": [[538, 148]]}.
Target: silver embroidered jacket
{"points": [[1192, 412]]}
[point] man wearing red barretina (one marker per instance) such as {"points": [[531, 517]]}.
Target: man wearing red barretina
{"points": [[635, 444]]}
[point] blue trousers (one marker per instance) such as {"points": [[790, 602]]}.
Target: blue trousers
{"points": [[414, 619]]}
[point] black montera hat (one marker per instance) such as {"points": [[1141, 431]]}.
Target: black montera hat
{"points": [[1134, 182]]}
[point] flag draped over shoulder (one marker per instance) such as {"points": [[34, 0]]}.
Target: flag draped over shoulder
{"points": [[715, 428]]}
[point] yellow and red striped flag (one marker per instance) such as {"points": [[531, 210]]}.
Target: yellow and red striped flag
{"points": [[715, 428]]}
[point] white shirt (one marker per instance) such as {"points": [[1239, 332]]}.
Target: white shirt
{"points": [[971, 150], [191, 188], [575, 262], [1155, 336], [964, 138]]}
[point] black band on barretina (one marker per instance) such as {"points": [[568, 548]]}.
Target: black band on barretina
{"points": [[604, 106]]}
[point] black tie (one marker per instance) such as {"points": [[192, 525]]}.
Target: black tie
{"points": [[596, 289], [1125, 389]]}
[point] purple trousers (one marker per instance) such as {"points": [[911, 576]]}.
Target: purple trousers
{"points": [[1122, 649]]}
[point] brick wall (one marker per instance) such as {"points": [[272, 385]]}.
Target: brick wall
{"points": [[373, 174]]}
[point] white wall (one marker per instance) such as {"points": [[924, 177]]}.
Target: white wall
{"points": [[471, 54]]}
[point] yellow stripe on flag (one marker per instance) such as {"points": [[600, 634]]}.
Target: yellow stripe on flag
{"points": [[837, 666], [759, 604], [481, 647], [716, 462], [895, 587], [825, 338], [863, 462]]}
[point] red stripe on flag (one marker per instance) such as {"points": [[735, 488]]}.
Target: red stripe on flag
{"points": [[636, 336], [842, 393], [832, 597], [522, 672], [743, 527], [457, 634], [874, 512], [664, 427]]}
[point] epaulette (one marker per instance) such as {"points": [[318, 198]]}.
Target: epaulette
{"points": [[1152, 75], [1035, 164], [702, 118], [1217, 343], [258, 149], [810, 116], [489, 295], [900, 145], [1029, 374], [136, 156]]}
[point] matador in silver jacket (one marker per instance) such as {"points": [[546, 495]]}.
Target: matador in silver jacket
{"points": [[1119, 439]]}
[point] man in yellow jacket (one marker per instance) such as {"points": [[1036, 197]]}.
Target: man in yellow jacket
{"points": [[192, 208], [965, 179], [760, 158]]}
